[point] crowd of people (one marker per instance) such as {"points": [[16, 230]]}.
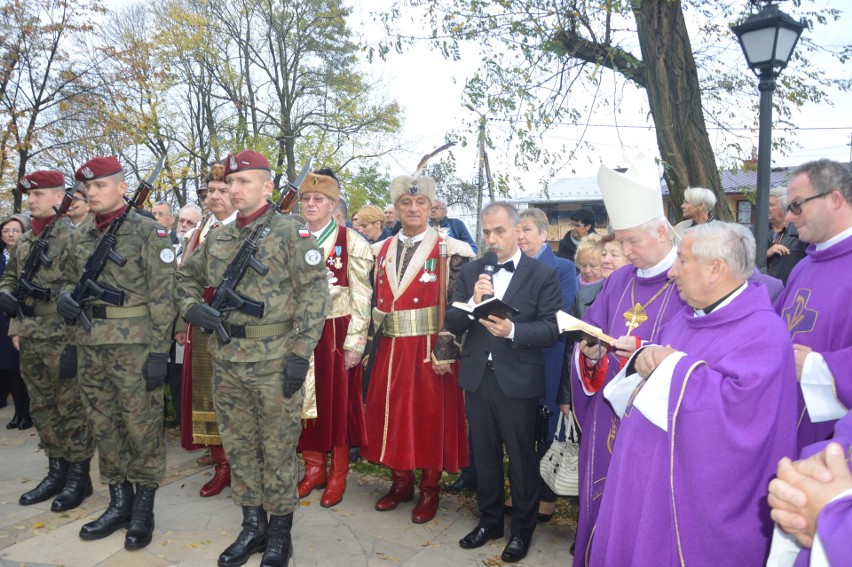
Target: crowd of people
{"points": [[714, 425]]}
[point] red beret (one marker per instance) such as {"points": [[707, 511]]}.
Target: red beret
{"points": [[245, 160], [43, 179], [98, 167]]}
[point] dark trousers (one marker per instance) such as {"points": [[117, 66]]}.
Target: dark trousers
{"points": [[173, 373], [496, 421], [12, 378]]}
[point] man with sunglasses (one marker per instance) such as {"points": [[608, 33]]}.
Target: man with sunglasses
{"points": [[813, 305]]}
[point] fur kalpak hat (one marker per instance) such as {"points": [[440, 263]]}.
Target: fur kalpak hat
{"points": [[417, 184], [323, 184], [409, 185]]}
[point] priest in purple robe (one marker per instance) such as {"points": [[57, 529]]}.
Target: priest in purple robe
{"points": [[811, 500], [815, 302], [633, 305], [704, 419]]}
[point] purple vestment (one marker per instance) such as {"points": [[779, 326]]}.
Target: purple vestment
{"points": [[815, 307], [834, 524], [695, 494], [597, 421]]}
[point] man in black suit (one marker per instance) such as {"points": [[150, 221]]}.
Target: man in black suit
{"points": [[502, 373]]}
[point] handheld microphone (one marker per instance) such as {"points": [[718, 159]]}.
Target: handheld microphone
{"points": [[489, 268]]}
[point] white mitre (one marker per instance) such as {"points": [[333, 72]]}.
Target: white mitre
{"points": [[634, 197]]}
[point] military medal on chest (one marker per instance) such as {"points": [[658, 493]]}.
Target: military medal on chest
{"points": [[429, 274], [334, 260]]}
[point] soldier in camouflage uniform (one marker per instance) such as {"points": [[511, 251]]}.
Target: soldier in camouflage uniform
{"points": [[55, 402], [258, 375], [123, 357]]}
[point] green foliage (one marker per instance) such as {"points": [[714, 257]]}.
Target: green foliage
{"points": [[545, 63]]}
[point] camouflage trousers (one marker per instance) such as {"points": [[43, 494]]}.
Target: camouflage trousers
{"points": [[260, 429], [55, 405], [127, 419]]}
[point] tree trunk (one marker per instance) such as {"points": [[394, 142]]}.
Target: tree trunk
{"points": [[674, 95]]}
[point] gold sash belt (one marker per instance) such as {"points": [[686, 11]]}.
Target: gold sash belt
{"points": [[408, 323]]}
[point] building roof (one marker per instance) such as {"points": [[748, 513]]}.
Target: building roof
{"points": [[581, 189]]}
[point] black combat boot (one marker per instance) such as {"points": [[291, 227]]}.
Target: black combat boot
{"points": [[280, 546], [116, 516], [141, 519], [252, 538], [57, 472], [78, 486]]}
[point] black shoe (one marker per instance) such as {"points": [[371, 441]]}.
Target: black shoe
{"points": [[25, 423], [78, 486], [458, 485], [116, 516], [50, 486], [479, 537], [16, 421], [515, 550], [141, 528], [251, 539], [280, 545]]}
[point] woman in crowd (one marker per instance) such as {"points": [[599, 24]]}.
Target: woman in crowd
{"points": [[697, 208], [370, 221], [612, 258], [532, 240], [10, 372], [588, 260]]}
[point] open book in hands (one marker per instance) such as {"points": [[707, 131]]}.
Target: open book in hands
{"points": [[488, 307], [578, 330]]}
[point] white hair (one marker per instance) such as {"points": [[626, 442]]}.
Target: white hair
{"points": [[780, 194], [190, 206], [700, 196], [730, 242]]}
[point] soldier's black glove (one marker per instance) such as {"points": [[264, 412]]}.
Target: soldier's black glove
{"points": [[295, 370], [68, 363], [9, 303], [67, 307], [154, 371], [203, 316]]}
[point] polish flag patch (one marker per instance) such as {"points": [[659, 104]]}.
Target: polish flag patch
{"points": [[304, 233], [162, 232]]}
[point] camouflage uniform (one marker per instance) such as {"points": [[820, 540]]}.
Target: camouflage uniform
{"points": [[260, 427], [55, 404], [127, 419]]}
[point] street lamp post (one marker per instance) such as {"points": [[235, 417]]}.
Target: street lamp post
{"points": [[482, 174], [767, 39]]}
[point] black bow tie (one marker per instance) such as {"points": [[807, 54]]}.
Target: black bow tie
{"points": [[508, 266]]}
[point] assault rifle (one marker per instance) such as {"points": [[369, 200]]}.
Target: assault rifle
{"points": [[88, 289], [38, 258], [226, 298]]}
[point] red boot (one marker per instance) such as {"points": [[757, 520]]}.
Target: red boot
{"points": [[427, 506], [315, 474], [401, 490], [222, 474], [336, 477]]}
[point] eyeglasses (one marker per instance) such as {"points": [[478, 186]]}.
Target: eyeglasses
{"points": [[11, 231], [796, 206]]}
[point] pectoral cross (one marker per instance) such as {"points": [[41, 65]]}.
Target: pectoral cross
{"points": [[635, 317]]}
